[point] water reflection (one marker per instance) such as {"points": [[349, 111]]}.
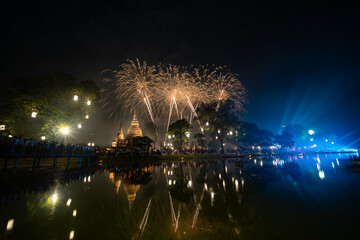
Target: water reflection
{"points": [[228, 199]]}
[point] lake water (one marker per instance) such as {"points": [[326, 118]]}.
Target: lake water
{"points": [[287, 197]]}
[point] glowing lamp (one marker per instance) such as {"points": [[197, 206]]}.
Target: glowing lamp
{"points": [[2, 127], [10, 136], [311, 139], [190, 183], [93, 144], [68, 202], [188, 134], [207, 123], [10, 224], [88, 102], [33, 114], [332, 142], [169, 137], [311, 132], [89, 144], [326, 140], [216, 137], [79, 125], [231, 133], [54, 198], [72, 233], [87, 116], [43, 138], [76, 97], [74, 213], [64, 130], [202, 129], [219, 131]]}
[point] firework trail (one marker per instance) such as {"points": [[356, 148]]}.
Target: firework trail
{"points": [[132, 88], [170, 92]]}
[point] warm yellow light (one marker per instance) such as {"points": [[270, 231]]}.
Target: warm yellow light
{"points": [[33, 114], [93, 144], [76, 97], [65, 130], [43, 137], [54, 198], [68, 202], [87, 116], [72, 233], [74, 213], [79, 125], [10, 224], [88, 102]]}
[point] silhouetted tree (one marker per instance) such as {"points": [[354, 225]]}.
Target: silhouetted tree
{"points": [[179, 129]]}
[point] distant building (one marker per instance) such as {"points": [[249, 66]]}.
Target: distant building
{"points": [[133, 131]]}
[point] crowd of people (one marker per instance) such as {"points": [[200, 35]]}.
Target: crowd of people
{"points": [[19, 146]]}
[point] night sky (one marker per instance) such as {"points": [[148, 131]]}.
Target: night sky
{"points": [[299, 61]]}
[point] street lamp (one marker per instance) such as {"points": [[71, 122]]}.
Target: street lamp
{"points": [[33, 114], [88, 102], [207, 123], [43, 138], [93, 144], [65, 130], [87, 116], [79, 125], [2, 127], [76, 97], [188, 134]]}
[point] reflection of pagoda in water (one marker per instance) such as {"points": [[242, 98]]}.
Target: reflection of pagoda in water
{"points": [[131, 190], [133, 131]]}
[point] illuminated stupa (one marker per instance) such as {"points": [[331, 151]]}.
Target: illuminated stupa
{"points": [[120, 140], [134, 130]]}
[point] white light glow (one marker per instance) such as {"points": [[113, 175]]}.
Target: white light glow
{"points": [[33, 114], [43, 137], [54, 198], [87, 116], [79, 125], [10, 224], [88, 102], [190, 183], [64, 130], [311, 132], [74, 212], [207, 123], [170, 182], [2, 127], [68, 202], [72, 233], [93, 144], [321, 174], [76, 97]]}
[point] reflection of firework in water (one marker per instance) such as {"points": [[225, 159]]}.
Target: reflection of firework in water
{"points": [[171, 92]]}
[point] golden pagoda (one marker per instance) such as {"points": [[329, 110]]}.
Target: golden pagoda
{"points": [[120, 140], [134, 130], [131, 190]]}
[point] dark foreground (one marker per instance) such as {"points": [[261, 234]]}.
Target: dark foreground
{"points": [[285, 197]]}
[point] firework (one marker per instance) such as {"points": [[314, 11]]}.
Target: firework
{"points": [[132, 88], [170, 92]]}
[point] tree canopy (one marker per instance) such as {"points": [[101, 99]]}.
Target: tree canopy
{"points": [[179, 129], [51, 97]]}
